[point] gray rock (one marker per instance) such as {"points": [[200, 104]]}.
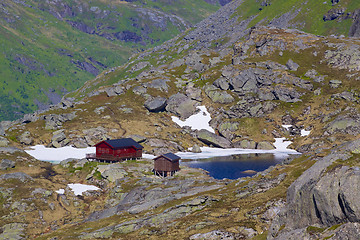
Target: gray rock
{"points": [[220, 97], [264, 145], [4, 142], [159, 84], [10, 150], [80, 163], [4, 126], [80, 143], [335, 83], [323, 196], [67, 162], [216, 235], [196, 149], [6, 163], [286, 94], [13, 231], [222, 83], [193, 92], [292, 66], [245, 144], [114, 91], [112, 172], [344, 124], [213, 139], [139, 90], [25, 138], [181, 105], [156, 104], [23, 177]]}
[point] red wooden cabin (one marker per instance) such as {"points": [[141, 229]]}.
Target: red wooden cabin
{"points": [[117, 150], [166, 164]]}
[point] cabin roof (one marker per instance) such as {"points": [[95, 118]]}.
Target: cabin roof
{"points": [[170, 156], [122, 143]]}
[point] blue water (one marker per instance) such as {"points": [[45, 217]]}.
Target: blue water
{"points": [[233, 167]]}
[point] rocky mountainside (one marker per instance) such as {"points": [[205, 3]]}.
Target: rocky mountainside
{"points": [[258, 81], [50, 48]]}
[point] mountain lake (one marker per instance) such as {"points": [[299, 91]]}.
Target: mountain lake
{"points": [[236, 166]]}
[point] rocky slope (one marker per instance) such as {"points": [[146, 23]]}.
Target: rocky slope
{"points": [[252, 80]]}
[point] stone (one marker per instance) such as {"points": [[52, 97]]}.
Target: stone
{"points": [[13, 231], [193, 92], [245, 144], [181, 105], [196, 149], [213, 139], [222, 83], [344, 124], [139, 90], [264, 145], [159, 84], [67, 162], [286, 94], [112, 172], [292, 66], [157, 104], [23, 177], [6, 163], [80, 163], [220, 97], [335, 83], [216, 235], [26, 138], [4, 142]]}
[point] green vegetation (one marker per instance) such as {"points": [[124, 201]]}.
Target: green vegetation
{"points": [[49, 50], [310, 18]]}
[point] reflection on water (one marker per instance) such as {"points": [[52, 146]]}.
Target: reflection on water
{"points": [[235, 166]]}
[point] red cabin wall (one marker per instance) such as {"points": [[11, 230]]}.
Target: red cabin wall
{"points": [[130, 152]]}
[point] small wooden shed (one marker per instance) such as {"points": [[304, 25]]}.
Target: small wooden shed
{"points": [[166, 164], [117, 150]]}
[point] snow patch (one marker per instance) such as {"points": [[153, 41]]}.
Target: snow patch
{"points": [[60, 191], [78, 188], [304, 132], [197, 121], [56, 155], [287, 126], [207, 152]]}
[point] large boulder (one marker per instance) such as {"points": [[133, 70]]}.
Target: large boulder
{"points": [[264, 145], [6, 163], [25, 138], [324, 195], [156, 104], [13, 231], [112, 172], [4, 142], [23, 177], [181, 105], [212, 139]]}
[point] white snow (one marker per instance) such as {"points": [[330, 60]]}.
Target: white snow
{"points": [[304, 132], [287, 126], [207, 152], [60, 191], [78, 188], [56, 155], [197, 121]]}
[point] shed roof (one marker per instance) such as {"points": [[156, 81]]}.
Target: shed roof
{"points": [[122, 143], [170, 156]]}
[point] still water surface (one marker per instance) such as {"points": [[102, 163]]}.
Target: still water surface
{"points": [[235, 166]]}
